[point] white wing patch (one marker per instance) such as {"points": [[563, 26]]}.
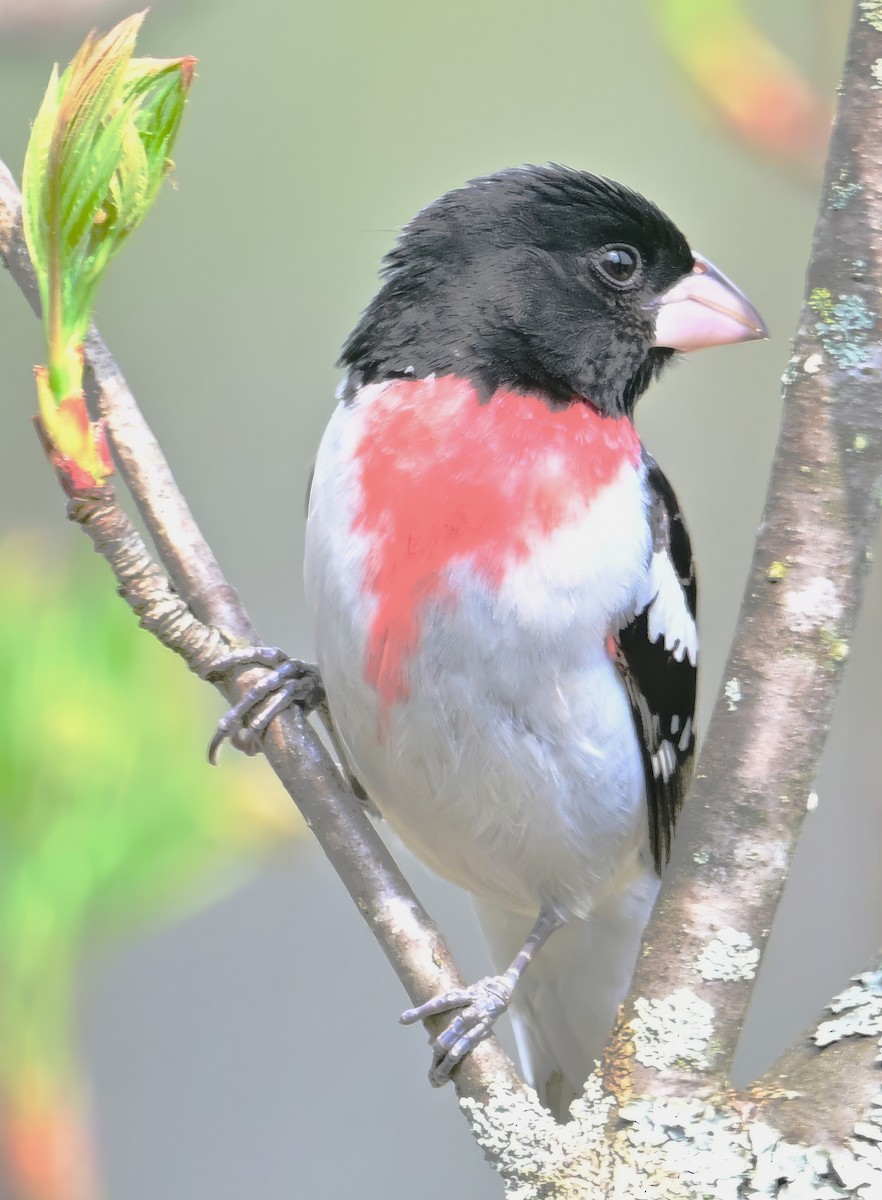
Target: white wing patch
{"points": [[668, 611], [656, 654], [664, 761]]}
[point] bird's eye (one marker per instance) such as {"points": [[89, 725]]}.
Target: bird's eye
{"points": [[619, 265]]}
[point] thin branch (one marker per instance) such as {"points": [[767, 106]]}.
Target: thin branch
{"points": [[409, 938], [811, 559], [142, 584], [173, 530]]}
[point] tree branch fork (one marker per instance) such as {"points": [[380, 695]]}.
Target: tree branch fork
{"points": [[657, 1118]]}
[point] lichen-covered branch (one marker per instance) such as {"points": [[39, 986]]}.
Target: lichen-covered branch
{"points": [[785, 1136], [832, 1071], [761, 753]]}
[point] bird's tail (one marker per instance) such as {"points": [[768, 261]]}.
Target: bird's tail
{"points": [[566, 1001]]}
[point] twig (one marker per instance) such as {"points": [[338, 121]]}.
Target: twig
{"points": [[409, 938]]}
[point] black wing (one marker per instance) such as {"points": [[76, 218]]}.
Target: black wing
{"points": [[656, 653]]}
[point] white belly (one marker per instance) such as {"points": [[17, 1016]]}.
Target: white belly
{"points": [[512, 766]]}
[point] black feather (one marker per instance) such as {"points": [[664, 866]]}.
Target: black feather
{"points": [[660, 686], [496, 283]]}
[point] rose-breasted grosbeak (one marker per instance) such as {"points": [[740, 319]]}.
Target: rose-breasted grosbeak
{"points": [[503, 585]]}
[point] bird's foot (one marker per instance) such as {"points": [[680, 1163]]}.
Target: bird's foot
{"points": [[287, 681], [479, 1007]]}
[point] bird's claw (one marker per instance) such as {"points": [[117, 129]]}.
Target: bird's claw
{"points": [[287, 681], [480, 1006]]}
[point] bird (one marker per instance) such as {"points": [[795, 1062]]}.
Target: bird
{"points": [[503, 588]]}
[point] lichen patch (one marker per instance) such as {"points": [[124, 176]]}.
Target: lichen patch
{"points": [[674, 1029], [729, 957], [857, 1012], [815, 605], [872, 13]]}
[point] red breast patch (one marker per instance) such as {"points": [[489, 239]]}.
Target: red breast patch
{"points": [[447, 479]]}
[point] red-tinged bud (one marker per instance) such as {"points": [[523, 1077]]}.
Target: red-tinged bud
{"points": [[76, 445], [188, 68]]}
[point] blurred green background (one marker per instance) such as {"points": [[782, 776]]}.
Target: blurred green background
{"points": [[250, 1047]]}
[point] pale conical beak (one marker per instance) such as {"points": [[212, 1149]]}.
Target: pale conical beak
{"points": [[704, 309]]}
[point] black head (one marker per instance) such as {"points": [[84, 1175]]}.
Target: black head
{"points": [[534, 279]]}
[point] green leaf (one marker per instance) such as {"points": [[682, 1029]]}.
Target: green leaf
{"points": [[34, 211], [98, 153]]}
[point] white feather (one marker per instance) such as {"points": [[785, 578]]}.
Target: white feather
{"points": [[669, 616]]}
